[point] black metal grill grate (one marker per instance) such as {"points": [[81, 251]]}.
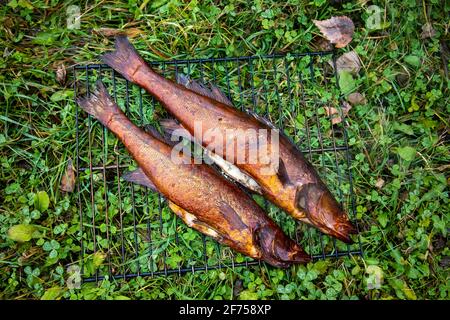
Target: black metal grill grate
{"points": [[128, 231]]}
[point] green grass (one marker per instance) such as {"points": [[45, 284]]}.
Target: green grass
{"points": [[399, 136]]}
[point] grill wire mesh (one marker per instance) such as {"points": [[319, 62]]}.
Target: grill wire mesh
{"points": [[127, 230]]}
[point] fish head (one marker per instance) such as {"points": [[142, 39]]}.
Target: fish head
{"points": [[324, 212], [278, 249]]}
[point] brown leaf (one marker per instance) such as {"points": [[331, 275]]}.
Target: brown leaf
{"points": [[110, 32], [330, 111], [336, 120], [346, 107], [68, 179], [356, 98], [444, 167], [334, 113], [349, 61], [338, 30], [61, 74], [427, 31]]}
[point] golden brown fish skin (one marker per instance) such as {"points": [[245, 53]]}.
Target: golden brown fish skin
{"points": [[301, 180], [197, 193]]}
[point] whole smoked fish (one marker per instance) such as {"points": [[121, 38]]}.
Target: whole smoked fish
{"points": [[198, 194], [293, 184]]}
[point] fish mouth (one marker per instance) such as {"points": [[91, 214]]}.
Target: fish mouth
{"points": [[341, 229], [343, 232], [297, 255], [278, 249]]}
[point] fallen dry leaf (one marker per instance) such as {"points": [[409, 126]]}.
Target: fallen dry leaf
{"points": [[336, 120], [427, 31], [334, 113], [61, 74], [110, 32], [322, 44], [68, 179], [356, 98], [346, 107], [444, 167], [330, 111], [380, 183], [349, 61], [338, 30]]}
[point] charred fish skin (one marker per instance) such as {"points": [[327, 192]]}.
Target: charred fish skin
{"points": [[196, 193], [296, 187]]}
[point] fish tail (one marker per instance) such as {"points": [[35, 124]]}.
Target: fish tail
{"points": [[124, 59], [99, 104]]}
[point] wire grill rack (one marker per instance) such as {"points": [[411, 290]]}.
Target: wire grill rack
{"points": [[127, 230]]}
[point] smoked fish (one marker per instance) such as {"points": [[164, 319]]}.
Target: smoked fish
{"points": [[289, 181], [197, 193]]}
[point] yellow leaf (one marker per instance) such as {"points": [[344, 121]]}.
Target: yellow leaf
{"points": [[98, 258], [21, 232], [409, 293], [52, 294]]}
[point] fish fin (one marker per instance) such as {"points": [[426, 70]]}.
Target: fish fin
{"points": [[139, 177], [182, 79], [173, 131], [99, 104], [261, 119], [192, 221], [193, 85], [232, 217], [125, 59], [152, 131], [170, 126], [164, 137], [282, 173], [220, 96], [213, 93]]}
